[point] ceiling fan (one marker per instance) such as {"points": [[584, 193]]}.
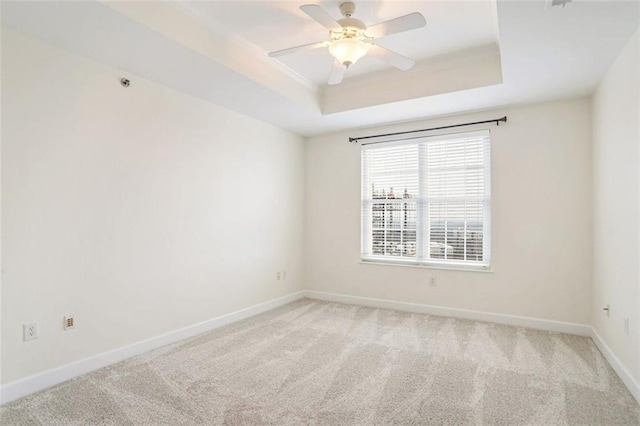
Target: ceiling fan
{"points": [[350, 39]]}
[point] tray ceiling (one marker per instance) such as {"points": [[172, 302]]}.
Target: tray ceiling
{"points": [[452, 27], [471, 55]]}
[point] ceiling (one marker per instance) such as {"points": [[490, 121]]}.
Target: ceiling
{"points": [[270, 26], [472, 55]]}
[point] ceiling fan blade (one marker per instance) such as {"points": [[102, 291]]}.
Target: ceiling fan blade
{"points": [[403, 23], [320, 16], [391, 57], [304, 47], [337, 73]]}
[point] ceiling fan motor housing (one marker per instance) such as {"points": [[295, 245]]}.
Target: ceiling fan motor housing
{"points": [[351, 28]]}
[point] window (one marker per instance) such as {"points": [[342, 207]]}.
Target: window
{"points": [[427, 201]]}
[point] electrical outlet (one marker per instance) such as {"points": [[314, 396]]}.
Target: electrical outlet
{"points": [[30, 331], [432, 282], [278, 275], [69, 322]]}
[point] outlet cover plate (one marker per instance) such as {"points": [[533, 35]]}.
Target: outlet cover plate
{"points": [[69, 322], [30, 331]]}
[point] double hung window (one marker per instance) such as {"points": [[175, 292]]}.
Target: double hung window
{"points": [[427, 201]]}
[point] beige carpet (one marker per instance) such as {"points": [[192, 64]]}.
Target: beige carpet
{"points": [[313, 362]]}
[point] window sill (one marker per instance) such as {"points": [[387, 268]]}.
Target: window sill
{"points": [[461, 268]]}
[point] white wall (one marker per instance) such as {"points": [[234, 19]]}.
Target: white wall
{"points": [[616, 248], [541, 209], [138, 210]]}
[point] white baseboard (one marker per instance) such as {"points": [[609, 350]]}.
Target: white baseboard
{"points": [[37, 382], [40, 381], [622, 371], [537, 323]]}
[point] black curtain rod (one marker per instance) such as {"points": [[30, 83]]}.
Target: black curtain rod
{"points": [[495, 120]]}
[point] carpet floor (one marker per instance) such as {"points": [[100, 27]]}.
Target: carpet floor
{"points": [[312, 362]]}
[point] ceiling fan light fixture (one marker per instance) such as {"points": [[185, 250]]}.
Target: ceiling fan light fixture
{"points": [[350, 39], [348, 50]]}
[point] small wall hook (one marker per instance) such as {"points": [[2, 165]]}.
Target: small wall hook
{"points": [[125, 82]]}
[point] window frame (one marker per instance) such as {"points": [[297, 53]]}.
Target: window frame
{"points": [[422, 205]]}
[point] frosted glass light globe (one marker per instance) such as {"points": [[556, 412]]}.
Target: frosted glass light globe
{"points": [[348, 50]]}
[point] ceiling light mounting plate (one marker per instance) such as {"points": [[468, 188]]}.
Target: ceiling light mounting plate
{"points": [[347, 9]]}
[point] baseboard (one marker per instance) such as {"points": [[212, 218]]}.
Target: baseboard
{"points": [[37, 382], [537, 323], [622, 371], [40, 381]]}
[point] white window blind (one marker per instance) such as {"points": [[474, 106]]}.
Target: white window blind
{"points": [[427, 201]]}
